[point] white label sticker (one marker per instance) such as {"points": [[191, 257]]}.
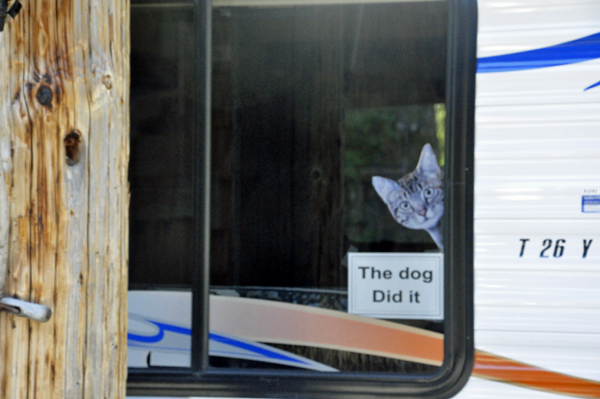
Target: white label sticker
{"points": [[590, 203], [396, 285]]}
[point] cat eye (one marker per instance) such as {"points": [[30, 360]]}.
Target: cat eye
{"points": [[405, 206], [267, 139], [428, 193]]}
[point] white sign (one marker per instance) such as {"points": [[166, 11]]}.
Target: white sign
{"points": [[396, 285]]}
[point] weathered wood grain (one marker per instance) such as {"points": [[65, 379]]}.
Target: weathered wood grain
{"points": [[64, 146]]}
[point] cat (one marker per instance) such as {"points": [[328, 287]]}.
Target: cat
{"points": [[416, 200]]}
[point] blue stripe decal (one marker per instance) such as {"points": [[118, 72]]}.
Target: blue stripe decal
{"points": [[148, 339], [592, 86], [161, 333], [580, 50], [215, 337], [252, 348]]}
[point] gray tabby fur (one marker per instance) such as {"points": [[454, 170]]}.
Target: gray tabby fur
{"points": [[416, 200]]}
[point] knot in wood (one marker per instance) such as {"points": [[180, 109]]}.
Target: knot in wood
{"points": [[316, 174], [107, 81], [72, 142], [44, 95]]}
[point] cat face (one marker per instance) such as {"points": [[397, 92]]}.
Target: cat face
{"points": [[416, 200]]}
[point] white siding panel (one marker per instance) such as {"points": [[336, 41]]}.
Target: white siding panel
{"points": [[499, 5], [536, 134], [509, 39], [537, 319], [525, 201], [563, 142], [560, 170], [579, 290], [502, 253], [541, 203], [533, 114], [584, 228], [552, 85], [522, 186], [533, 16]]}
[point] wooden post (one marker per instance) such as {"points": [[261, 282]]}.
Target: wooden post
{"points": [[64, 151]]}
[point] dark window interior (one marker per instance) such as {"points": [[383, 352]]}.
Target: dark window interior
{"points": [[163, 127], [298, 94], [308, 103]]}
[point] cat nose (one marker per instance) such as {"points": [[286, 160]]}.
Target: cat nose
{"points": [[423, 212]]}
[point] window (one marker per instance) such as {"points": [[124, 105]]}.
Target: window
{"points": [[304, 227]]}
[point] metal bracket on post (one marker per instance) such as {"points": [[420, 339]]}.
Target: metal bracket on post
{"points": [[21, 308], [8, 304]]}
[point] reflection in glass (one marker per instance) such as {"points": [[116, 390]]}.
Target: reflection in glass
{"points": [[161, 253], [163, 110], [309, 104]]}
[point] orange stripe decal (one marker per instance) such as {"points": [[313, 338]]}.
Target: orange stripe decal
{"points": [[285, 323], [501, 369]]}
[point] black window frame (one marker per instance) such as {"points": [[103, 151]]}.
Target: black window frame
{"points": [[200, 380]]}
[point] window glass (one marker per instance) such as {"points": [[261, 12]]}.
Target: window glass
{"points": [[327, 192], [162, 219]]}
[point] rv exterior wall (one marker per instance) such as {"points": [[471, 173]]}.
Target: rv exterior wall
{"points": [[537, 148]]}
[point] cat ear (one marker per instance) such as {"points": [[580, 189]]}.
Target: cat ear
{"points": [[384, 187], [427, 161]]}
